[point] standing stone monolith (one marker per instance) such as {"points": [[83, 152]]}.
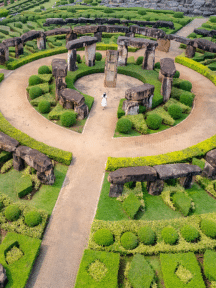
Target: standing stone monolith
{"points": [[111, 68], [167, 72]]}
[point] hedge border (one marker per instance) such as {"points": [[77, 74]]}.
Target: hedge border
{"points": [[59, 155], [1, 77]]}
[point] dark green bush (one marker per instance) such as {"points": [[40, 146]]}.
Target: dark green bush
{"points": [[1, 206], [182, 202], [98, 56], [129, 241], [175, 111], [186, 99], [34, 80], [35, 92], [130, 185], [18, 25], [33, 218], [189, 233], [139, 60], [213, 19], [78, 58], [131, 205], [177, 74], [192, 35], [212, 66], [146, 235], [185, 85], [178, 15], [153, 121], [108, 10], [103, 237], [68, 119], [44, 106], [208, 227], [209, 265], [71, 9], [23, 186], [169, 235], [157, 65], [12, 213], [209, 55], [142, 109], [44, 70], [171, 182], [142, 12], [124, 125]]}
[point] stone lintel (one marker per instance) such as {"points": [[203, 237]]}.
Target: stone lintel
{"points": [[139, 92], [81, 42]]}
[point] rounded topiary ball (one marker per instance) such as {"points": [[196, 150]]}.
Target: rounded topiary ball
{"points": [[208, 227], [177, 74], [129, 241], [34, 80], [78, 58], [185, 85], [68, 119], [169, 235], [175, 111], [139, 60], [153, 121], [124, 125], [33, 218], [103, 237], [98, 56], [146, 235], [44, 70], [35, 92], [44, 106], [157, 65], [189, 233], [12, 213], [186, 99]]}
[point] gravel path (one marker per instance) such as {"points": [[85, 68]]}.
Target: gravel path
{"points": [[68, 230]]}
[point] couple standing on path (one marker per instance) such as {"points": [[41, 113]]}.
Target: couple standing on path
{"points": [[104, 100]]}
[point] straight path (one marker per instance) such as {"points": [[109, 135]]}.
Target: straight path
{"points": [[67, 233]]}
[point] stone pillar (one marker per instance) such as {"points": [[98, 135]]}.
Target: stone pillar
{"points": [[155, 187], [149, 104], [166, 88], [90, 55], [130, 107], [20, 49], [70, 36], [60, 84], [163, 44], [116, 190], [111, 68], [18, 162], [41, 42], [186, 182], [149, 58], [130, 34], [98, 35], [72, 60], [123, 55], [6, 54], [190, 51]]}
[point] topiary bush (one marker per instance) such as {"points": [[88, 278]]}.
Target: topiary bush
{"points": [[12, 213], [44, 70], [103, 237], [153, 121], [189, 233], [34, 80], [186, 99], [33, 218], [175, 111], [124, 125], [157, 65], [108, 10], [182, 202], [142, 12], [98, 56], [185, 85], [208, 227], [129, 241], [169, 235], [146, 235], [68, 118], [35, 92], [44, 106], [178, 15], [177, 74], [139, 60], [78, 58], [213, 19]]}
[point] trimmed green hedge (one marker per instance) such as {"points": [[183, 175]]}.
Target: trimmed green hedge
{"points": [[184, 155], [1, 77], [110, 262], [205, 71], [19, 271], [54, 153], [209, 265]]}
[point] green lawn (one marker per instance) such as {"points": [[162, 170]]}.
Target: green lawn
{"points": [[47, 195]]}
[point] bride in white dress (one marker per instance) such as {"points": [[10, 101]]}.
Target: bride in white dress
{"points": [[104, 100]]}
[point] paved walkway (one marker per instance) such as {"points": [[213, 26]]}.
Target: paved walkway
{"points": [[68, 230]]}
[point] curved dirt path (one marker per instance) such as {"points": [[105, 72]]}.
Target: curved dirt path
{"points": [[67, 233]]}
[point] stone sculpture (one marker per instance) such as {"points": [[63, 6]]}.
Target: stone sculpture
{"points": [[59, 71], [110, 71]]}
